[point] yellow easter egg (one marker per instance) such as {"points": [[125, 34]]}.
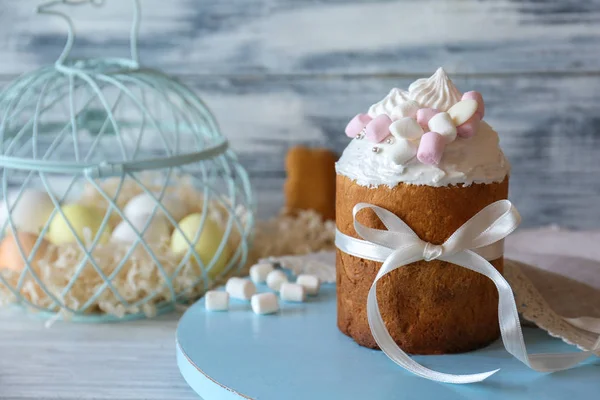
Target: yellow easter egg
{"points": [[83, 219], [11, 257], [206, 245]]}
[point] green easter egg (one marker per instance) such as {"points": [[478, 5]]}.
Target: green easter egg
{"points": [[207, 244], [80, 217]]}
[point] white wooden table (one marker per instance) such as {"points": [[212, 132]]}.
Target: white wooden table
{"points": [[131, 360]]}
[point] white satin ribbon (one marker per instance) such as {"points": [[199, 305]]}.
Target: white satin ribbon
{"points": [[399, 246]]}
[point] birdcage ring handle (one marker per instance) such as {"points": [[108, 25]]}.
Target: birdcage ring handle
{"points": [[46, 8], [107, 169]]}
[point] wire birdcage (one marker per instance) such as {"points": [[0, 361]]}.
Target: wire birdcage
{"points": [[98, 133]]}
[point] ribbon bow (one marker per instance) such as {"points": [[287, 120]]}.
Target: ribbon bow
{"points": [[480, 238]]}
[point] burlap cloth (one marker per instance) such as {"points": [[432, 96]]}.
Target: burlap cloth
{"points": [[554, 273]]}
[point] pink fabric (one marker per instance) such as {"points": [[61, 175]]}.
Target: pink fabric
{"points": [[431, 148], [378, 129], [357, 124], [473, 95]]}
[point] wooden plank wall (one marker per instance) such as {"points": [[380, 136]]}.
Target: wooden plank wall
{"points": [[283, 72]]}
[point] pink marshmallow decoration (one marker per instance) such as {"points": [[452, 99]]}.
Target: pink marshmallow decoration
{"points": [[469, 128], [357, 124], [431, 148], [424, 115], [378, 129], [473, 95]]}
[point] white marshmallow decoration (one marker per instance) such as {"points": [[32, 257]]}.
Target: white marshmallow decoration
{"points": [[240, 288], [401, 151], [215, 300], [407, 128], [144, 203], [259, 272], [292, 292], [30, 211], [157, 229], [310, 282], [275, 279], [264, 303], [443, 124], [462, 111], [406, 108]]}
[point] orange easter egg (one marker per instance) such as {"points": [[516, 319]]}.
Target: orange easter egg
{"points": [[10, 256]]}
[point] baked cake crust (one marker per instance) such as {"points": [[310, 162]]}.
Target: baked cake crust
{"points": [[431, 307]]}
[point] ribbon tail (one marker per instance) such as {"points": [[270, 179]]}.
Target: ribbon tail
{"points": [[508, 318], [551, 362], [386, 342]]}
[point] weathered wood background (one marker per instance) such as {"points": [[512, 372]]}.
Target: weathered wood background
{"points": [[279, 73], [284, 72]]}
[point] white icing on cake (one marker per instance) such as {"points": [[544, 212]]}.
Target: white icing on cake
{"points": [[465, 161]]}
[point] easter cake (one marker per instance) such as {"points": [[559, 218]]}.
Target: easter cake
{"points": [[427, 156]]}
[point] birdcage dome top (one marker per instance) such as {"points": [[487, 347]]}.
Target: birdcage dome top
{"points": [[103, 112], [100, 116]]}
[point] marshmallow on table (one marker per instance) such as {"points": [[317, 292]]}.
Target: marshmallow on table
{"points": [[378, 129], [292, 292], [357, 124], [264, 303], [424, 115], [443, 124], [431, 148], [240, 288], [473, 95], [310, 282], [216, 300], [275, 278], [259, 272]]}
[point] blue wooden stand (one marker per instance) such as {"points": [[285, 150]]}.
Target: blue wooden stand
{"points": [[299, 354]]}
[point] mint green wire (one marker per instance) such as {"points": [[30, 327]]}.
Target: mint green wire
{"points": [[137, 120]]}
